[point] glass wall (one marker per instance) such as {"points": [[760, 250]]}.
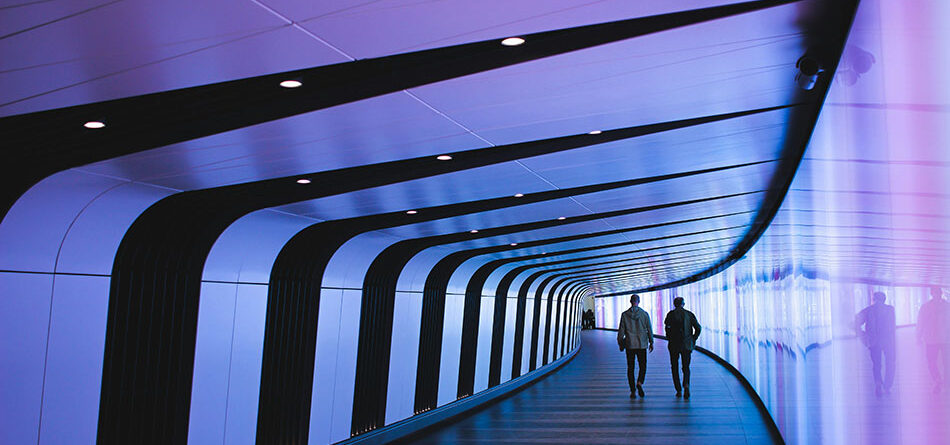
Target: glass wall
{"points": [[867, 213]]}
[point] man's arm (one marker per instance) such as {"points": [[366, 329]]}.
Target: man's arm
{"points": [[859, 321], [696, 327], [620, 332]]}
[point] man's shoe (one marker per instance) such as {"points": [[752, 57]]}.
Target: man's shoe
{"points": [[685, 393], [640, 390], [679, 393], [633, 394]]}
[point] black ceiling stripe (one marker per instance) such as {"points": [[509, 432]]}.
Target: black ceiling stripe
{"points": [[625, 279], [596, 276], [57, 141], [826, 33], [600, 274], [161, 258], [571, 277]]}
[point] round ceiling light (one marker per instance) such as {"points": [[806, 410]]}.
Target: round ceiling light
{"points": [[561, 218], [411, 212], [94, 124], [518, 195], [513, 244], [444, 158], [303, 181], [473, 231], [290, 83], [512, 41], [595, 132]]}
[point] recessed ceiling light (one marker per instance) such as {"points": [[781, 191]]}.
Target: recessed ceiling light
{"points": [[303, 181], [94, 124], [473, 231], [561, 218], [518, 195], [595, 132], [291, 84], [512, 41], [513, 244], [411, 212], [444, 158]]}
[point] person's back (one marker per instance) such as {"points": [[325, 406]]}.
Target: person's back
{"points": [[933, 322], [682, 330], [679, 325], [879, 325], [636, 329], [878, 334]]}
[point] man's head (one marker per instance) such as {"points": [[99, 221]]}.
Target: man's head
{"points": [[879, 297], [634, 300], [678, 302], [936, 292]]}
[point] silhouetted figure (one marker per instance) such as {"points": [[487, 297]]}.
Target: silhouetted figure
{"points": [[879, 324], [682, 330], [933, 330], [634, 336], [591, 320]]}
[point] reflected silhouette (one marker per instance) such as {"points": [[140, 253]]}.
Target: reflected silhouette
{"points": [[933, 331], [876, 326]]}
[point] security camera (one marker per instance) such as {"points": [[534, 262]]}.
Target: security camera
{"points": [[808, 71]]}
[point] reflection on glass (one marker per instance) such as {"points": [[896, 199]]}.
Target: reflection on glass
{"points": [[837, 316]]}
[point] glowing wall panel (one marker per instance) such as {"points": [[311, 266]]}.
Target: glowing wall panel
{"points": [[404, 356], [77, 330]]}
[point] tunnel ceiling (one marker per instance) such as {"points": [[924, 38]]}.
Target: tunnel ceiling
{"points": [[672, 148]]}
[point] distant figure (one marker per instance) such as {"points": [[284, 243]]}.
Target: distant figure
{"points": [[682, 331], [879, 324], [933, 331], [588, 319], [634, 336]]}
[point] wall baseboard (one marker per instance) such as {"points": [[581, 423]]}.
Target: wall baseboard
{"points": [[451, 412]]}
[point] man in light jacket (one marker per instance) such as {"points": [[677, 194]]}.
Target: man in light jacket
{"points": [[634, 336]]}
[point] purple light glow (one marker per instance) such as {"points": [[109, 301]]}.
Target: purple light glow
{"points": [[868, 212]]}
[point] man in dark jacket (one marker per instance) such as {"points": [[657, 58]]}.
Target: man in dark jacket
{"points": [[682, 330], [875, 325]]}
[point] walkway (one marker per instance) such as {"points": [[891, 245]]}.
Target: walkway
{"points": [[587, 401]]}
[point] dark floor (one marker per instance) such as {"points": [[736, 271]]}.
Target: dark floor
{"points": [[587, 401]]}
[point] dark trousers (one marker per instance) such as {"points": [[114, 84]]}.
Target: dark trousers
{"points": [[936, 352], [886, 353], [636, 356], [676, 355]]}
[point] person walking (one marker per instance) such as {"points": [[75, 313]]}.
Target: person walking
{"points": [[634, 336], [878, 334], [682, 330], [933, 331]]}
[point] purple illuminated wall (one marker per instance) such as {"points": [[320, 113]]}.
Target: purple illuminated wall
{"points": [[868, 212]]}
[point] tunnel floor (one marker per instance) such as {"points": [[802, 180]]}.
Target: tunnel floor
{"points": [[587, 401]]}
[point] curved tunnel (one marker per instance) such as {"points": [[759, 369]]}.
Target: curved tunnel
{"points": [[283, 222]]}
